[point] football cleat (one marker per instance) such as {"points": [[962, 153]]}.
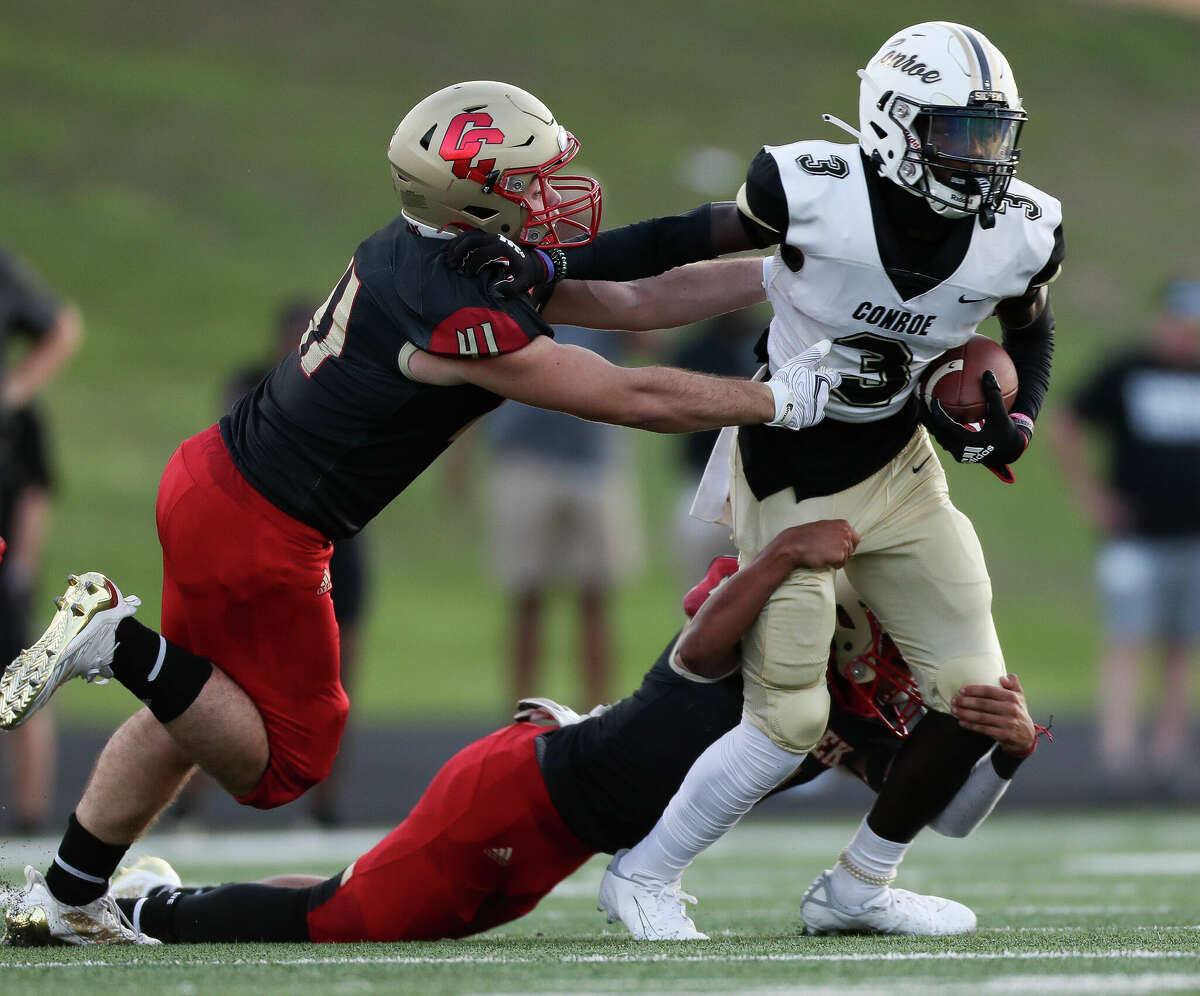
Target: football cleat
{"points": [[143, 877], [894, 911], [37, 919], [79, 642], [650, 910]]}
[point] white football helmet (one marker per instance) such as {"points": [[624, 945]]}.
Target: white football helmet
{"points": [[486, 155], [939, 114], [867, 675]]}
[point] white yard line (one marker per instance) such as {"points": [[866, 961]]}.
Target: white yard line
{"points": [[1134, 954]]}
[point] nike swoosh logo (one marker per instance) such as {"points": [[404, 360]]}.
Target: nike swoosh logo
{"points": [[970, 300], [920, 465]]}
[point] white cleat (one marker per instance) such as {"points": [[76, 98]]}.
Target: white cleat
{"points": [[37, 920], [142, 877], [894, 911], [650, 910], [79, 642]]}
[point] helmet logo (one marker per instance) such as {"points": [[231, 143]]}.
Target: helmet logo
{"points": [[909, 65], [461, 146]]}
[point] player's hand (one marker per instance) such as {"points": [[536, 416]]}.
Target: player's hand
{"points": [[512, 270], [998, 712], [801, 388], [1000, 439], [825, 543]]}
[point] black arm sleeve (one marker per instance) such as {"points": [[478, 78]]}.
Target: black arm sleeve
{"points": [[1032, 352], [645, 248]]}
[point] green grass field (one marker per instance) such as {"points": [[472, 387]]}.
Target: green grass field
{"points": [[1075, 903], [179, 170]]}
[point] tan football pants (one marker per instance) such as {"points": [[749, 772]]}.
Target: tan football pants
{"points": [[919, 567]]}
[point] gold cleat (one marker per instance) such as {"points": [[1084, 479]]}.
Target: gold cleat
{"points": [[79, 642], [38, 919], [28, 928]]}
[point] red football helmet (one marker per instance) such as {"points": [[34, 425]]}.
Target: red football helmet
{"points": [[867, 675], [718, 571]]}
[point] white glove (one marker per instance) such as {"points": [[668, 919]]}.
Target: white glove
{"points": [[801, 388]]}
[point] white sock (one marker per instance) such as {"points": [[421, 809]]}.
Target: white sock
{"points": [[873, 857], [721, 787]]}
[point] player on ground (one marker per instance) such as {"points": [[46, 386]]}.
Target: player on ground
{"points": [[513, 814], [896, 249], [402, 356]]}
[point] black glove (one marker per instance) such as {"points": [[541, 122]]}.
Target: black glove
{"points": [[513, 269], [1000, 440]]}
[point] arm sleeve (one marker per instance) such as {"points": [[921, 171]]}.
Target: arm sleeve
{"points": [[978, 796], [1032, 347], [645, 248], [1032, 352]]}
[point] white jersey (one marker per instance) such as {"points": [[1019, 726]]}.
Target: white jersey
{"points": [[881, 342]]}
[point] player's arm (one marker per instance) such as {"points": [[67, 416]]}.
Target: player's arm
{"points": [[577, 381], [1027, 325], [757, 219], [679, 297], [999, 712], [709, 645]]}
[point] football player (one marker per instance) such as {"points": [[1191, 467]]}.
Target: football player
{"points": [[403, 354], [513, 814], [895, 248]]}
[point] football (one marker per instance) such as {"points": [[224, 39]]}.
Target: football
{"points": [[955, 378]]}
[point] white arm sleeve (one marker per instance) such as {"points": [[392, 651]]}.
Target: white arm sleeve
{"points": [[974, 801]]}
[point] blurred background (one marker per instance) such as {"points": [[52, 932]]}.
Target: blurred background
{"points": [[179, 171]]}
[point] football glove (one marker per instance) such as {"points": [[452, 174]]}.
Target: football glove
{"points": [[801, 388], [999, 441], [513, 269]]}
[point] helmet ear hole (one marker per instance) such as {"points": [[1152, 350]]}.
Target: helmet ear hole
{"points": [[479, 213]]}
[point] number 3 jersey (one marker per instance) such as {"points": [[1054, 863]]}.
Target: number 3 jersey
{"points": [[841, 273], [337, 430]]}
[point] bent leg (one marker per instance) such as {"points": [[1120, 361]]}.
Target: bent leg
{"points": [[481, 847]]}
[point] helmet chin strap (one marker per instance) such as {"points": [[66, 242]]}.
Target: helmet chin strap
{"points": [[839, 123]]}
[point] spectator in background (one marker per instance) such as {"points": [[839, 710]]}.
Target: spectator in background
{"points": [[54, 331], [563, 510], [723, 346], [1146, 404]]}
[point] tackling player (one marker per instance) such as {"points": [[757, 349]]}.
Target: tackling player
{"points": [[403, 355], [895, 248], [513, 814]]}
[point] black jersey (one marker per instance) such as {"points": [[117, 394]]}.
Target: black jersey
{"points": [[337, 430], [611, 776]]}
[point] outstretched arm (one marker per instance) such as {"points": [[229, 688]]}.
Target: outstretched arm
{"points": [[678, 297], [709, 646]]}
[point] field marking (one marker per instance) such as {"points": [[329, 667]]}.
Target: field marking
{"points": [[1129, 864], [1134, 954]]}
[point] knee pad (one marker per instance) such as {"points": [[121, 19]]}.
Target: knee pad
{"points": [[984, 669], [797, 717]]}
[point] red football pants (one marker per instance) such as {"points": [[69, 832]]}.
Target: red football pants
{"points": [[247, 587], [482, 846]]}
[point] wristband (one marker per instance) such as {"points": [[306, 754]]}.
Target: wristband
{"points": [[1025, 424]]}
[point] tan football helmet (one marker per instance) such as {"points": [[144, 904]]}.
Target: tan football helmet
{"points": [[486, 155], [867, 675]]}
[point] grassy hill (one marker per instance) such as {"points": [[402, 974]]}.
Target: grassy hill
{"points": [[177, 170]]}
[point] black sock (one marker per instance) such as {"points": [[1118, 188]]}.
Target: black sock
{"points": [[164, 676], [227, 913], [929, 769], [82, 868]]}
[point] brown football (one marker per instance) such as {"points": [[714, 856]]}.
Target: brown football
{"points": [[955, 378]]}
